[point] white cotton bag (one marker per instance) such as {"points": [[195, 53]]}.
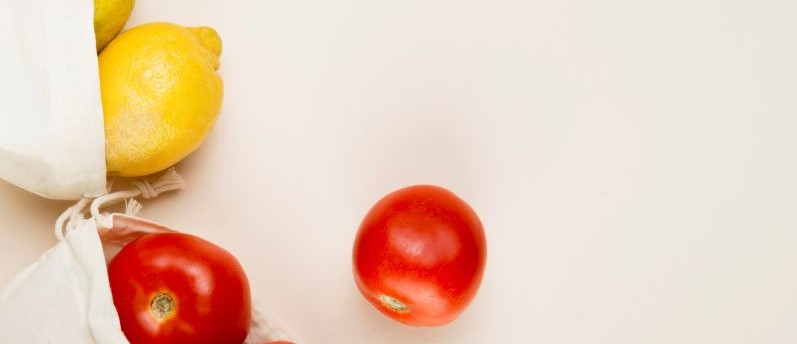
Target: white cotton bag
{"points": [[52, 139], [64, 297]]}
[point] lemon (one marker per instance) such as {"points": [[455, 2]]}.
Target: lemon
{"points": [[160, 95], [109, 18]]}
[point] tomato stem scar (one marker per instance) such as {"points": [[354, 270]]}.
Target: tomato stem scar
{"points": [[162, 305], [394, 304]]}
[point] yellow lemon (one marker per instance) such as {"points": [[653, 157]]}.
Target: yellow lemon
{"points": [[160, 95], [109, 18]]}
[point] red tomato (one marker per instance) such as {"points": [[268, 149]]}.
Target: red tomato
{"points": [[419, 255], [178, 288]]}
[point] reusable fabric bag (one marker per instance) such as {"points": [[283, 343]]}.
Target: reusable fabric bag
{"points": [[65, 297], [52, 139]]}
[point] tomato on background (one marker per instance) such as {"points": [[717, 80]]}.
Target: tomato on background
{"points": [[178, 288], [419, 255]]}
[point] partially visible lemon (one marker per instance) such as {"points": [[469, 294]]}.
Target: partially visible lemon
{"points": [[160, 95], [109, 18]]}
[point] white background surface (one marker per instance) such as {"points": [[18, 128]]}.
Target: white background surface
{"points": [[635, 165]]}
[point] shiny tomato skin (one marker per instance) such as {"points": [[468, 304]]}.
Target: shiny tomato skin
{"points": [[419, 255], [178, 288]]}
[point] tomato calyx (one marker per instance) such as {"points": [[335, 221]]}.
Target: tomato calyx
{"points": [[163, 306], [393, 304]]}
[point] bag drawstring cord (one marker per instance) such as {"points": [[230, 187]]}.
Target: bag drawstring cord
{"points": [[68, 220]]}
